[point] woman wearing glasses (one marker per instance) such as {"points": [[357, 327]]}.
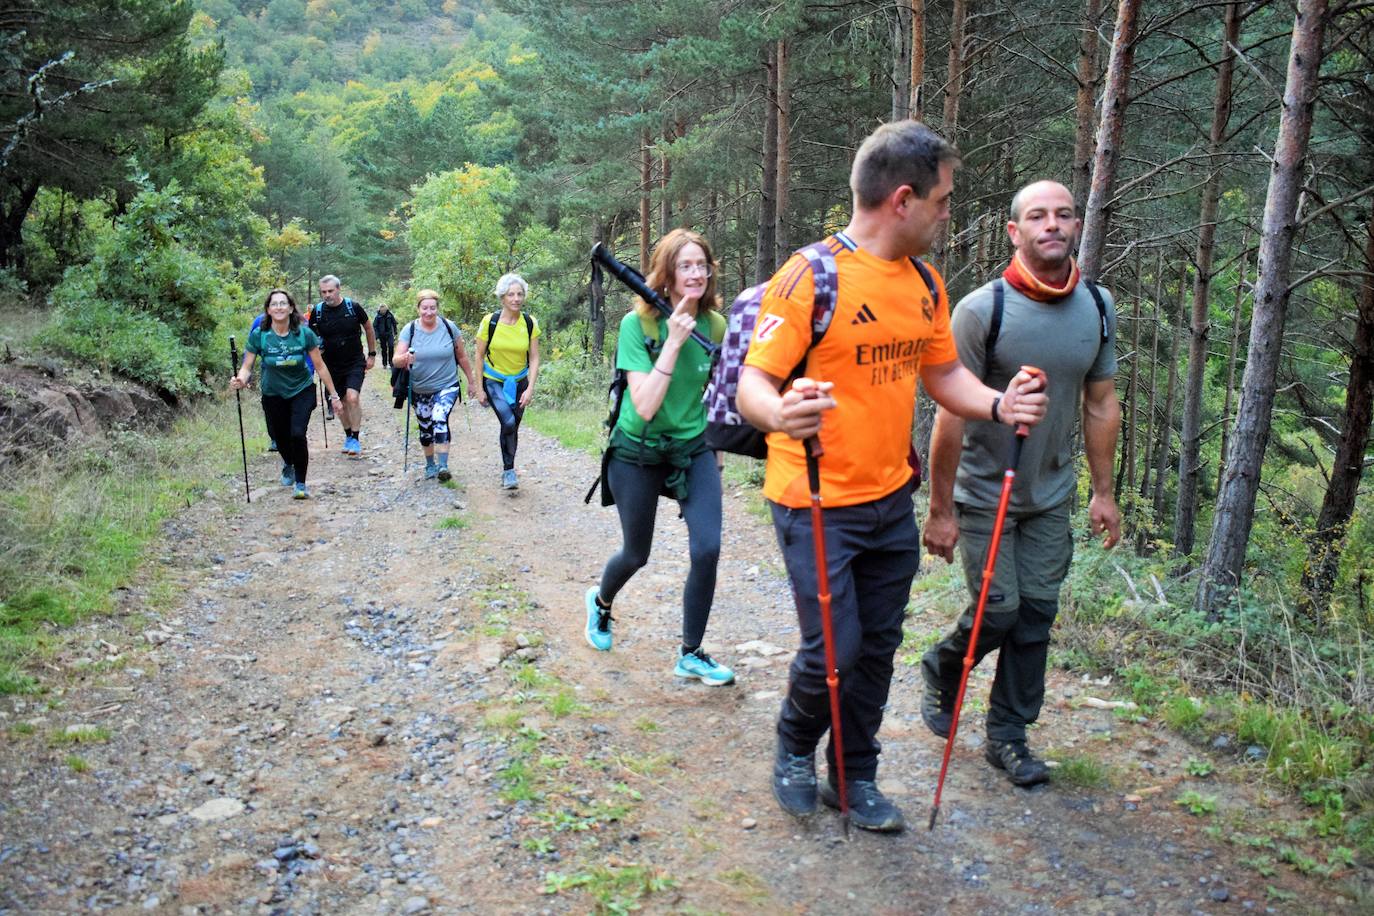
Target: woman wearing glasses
{"points": [[658, 445]]}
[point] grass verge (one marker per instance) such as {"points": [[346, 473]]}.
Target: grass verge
{"points": [[76, 525]]}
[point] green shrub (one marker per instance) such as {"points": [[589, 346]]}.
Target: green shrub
{"points": [[145, 305]]}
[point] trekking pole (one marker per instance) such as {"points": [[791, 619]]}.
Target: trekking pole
{"points": [[635, 281], [238, 401], [405, 454], [832, 673], [989, 567], [324, 423]]}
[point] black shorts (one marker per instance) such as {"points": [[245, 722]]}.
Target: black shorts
{"points": [[348, 375]]}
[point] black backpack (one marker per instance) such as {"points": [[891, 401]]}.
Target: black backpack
{"points": [[999, 296]]}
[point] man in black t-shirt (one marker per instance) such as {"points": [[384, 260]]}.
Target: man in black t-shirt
{"points": [[385, 324], [337, 321]]}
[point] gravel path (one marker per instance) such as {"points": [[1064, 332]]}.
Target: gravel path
{"points": [[379, 701]]}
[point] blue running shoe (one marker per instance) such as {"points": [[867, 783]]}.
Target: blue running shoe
{"points": [[703, 667], [288, 475], [598, 631], [508, 480], [431, 469], [301, 492], [352, 446]]}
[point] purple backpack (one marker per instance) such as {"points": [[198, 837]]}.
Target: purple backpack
{"points": [[726, 430]]}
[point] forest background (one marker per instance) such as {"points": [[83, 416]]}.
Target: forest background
{"points": [[164, 163]]}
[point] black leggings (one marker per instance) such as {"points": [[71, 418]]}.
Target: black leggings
{"points": [[636, 490], [509, 414], [287, 421]]}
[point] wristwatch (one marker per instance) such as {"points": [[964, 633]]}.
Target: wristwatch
{"points": [[371, 352]]}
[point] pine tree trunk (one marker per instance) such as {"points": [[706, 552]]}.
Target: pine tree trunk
{"points": [[597, 302], [1239, 322], [1190, 437], [1085, 101], [918, 58], [1115, 97], [784, 96], [901, 64], [1324, 545], [1235, 506], [646, 178], [765, 246], [1166, 429], [665, 174], [1127, 466]]}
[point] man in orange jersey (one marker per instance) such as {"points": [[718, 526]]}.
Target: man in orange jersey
{"points": [[856, 391]]}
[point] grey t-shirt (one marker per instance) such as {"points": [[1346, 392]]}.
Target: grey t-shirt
{"points": [[436, 368], [1063, 338]]}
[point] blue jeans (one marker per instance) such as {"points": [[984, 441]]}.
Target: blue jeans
{"points": [[636, 490], [510, 416], [872, 554]]}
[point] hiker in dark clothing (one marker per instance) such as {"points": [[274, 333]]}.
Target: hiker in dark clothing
{"points": [[384, 323], [337, 320]]}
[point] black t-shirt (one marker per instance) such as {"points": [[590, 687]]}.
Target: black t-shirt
{"points": [[340, 331]]}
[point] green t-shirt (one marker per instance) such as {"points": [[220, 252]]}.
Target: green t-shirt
{"points": [[682, 414], [285, 370]]}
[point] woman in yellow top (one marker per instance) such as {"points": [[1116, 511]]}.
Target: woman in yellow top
{"points": [[508, 351]]}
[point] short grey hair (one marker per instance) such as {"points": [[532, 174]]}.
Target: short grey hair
{"points": [[899, 153], [504, 284], [331, 280]]}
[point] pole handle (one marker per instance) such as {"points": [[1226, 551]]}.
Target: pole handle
{"points": [[233, 355], [1022, 430], [637, 284]]}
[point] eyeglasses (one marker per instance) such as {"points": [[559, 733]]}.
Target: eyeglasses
{"points": [[688, 270]]}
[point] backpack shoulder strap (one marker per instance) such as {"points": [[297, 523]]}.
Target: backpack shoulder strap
{"points": [[999, 295], [648, 326], [491, 330], [924, 271], [529, 324], [825, 281], [1096, 292], [448, 326]]}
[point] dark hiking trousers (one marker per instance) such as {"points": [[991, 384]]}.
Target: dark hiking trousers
{"points": [[873, 553], [637, 488], [509, 415], [288, 419], [1022, 604]]}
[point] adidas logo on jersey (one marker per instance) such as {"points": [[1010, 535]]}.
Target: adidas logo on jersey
{"points": [[864, 315]]}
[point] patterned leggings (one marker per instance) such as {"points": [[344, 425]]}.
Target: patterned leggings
{"points": [[431, 414]]}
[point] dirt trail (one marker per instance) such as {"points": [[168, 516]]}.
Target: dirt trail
{"points": [[380, 701]]}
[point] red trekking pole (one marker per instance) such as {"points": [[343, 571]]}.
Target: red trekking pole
{"points": [[832, 674], [989, 566]]}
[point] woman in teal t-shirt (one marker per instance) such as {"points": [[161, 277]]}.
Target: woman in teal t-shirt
{"points": [[659, 447], [288, 394]]}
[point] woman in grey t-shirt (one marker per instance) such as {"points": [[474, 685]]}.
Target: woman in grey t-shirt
{"points": [[431, 347]]}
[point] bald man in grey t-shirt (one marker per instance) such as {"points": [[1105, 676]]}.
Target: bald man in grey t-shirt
{"points": [[1066, 327]]}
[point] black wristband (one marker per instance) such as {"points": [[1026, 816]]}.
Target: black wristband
{"points": [[371, 352], [996, 417]]}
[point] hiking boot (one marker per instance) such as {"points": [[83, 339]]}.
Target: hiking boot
{"points": [[937, 709], [271, 445], [703, 667], [288, 475], [1022, 767], [794, 782], [598, 629], [868, 808], [508, 481], [431, 470], [302, 492], [444, 475]]}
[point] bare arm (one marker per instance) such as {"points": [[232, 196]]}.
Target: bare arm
{"points": [[402, 358], [371, 343], [941, 530], [534, 372], [240, 379], [796, 412], [961, 393], [479, 388], [460, 353], [1101, 427], [325, 377]]}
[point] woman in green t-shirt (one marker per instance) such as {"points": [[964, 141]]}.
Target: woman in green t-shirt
{"points": [[659, 447], [288, 391]]}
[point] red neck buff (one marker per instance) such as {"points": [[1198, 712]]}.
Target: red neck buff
{"points": [[1032, 287]]}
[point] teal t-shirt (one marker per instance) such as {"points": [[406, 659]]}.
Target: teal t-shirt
{"points": [[285, 368], [682, 415]]}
